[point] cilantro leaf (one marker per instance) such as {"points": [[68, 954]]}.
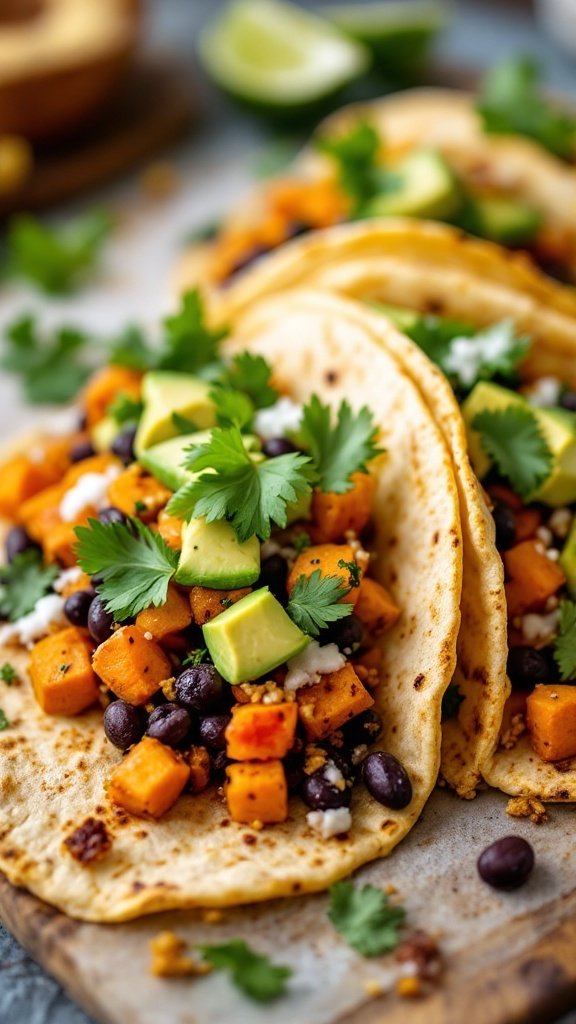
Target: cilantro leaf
{"points": [[233, 408], [4, 723], [252, 374], [125, 409], [565, 643], [510, 102], [23, 583], [56, 260], [52, 369], [254, 974], [341, 450], [451, 702], [315, 602], [197, 657], [250, 495], [132, 349], [189, 345], [365, 918], [135, 565], [8, 673], [354, 571], [356, 156], [512, 438]]}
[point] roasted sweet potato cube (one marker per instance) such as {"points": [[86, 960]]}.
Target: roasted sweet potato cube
{"points": [[40, 513], [59, 542], [375, 607], [257, 792], [95, 464], [20, 479], [206, 603], [149, 779], [326, 558], [105, 386], [327, 705], [61, 672], [532, 578], [261, 732], [334, 514], [170, 528], [171, 617], [551, 721], [132, 666], [527, 522], [199, 763], [135, 492]]}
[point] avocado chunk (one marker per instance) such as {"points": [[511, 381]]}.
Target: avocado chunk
{"points": [[165, 393], [165, 460], [212, 556], [103, 434], [558, 428], [502, 220], [568, 560], [252, 637], [422, 185], [403, 318]]}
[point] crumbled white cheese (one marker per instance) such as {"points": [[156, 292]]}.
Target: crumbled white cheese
{"points": [[359, 753], [540, 627], [560, 522], [66, 577], [553, 554], [148, 635], [545, 535], [551, 603], [279, 419], [333, 775], [90, 490], [544, 392], [314, 661], [271, 547], [330, 823], [62, 423], [467, 356], [48, 611], [37, 454]]}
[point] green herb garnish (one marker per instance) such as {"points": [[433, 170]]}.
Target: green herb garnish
{"points": [[364, 917], [8, 673], [315, 602], [353, 569], [125, 409], [23, 583], [252, 374], [341, 449], [565, 642], [4, 723], [52, 368], [251, 972], [56, 260], [512, 438], [467, 355], [197, 657], [356, 156], [301, 542], [233, 408]]}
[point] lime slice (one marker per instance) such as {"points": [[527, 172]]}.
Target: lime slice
{"points": [[278, 57], [398, 32]]}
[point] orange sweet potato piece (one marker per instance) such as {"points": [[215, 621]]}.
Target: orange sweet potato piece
{"points": [[532, 578], [527, 522], [133, 488], [40, 513], [261, 732], [171, 617], [61, 672], [149, 779], [59, 541], [551, 721], [95, 464], [170, 528], [334, 514], [132, 666], [207, 603], [20, 479], [257, 792], [199, 764], [325, 557], [327, 705], [81, 583], [104, 387], [375, 607], [499, 492]]}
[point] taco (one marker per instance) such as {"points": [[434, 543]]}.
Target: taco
{"points": [[503, 337], [182, 593]]}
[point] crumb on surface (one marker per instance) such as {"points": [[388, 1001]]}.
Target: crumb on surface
{"points": [[409, 986], [213, 916], [373, 988], [170, 959], [527, 807]]}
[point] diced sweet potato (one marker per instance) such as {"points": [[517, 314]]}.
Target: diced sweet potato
{"points": [[551, 721], [327, 705], [132, 666], [149, 780], [171, 617], [20, 479], [170, 528], [40, 513], [261, 732], [334, 514], [503, 494], [527, 522], [137, 493], [326, 558], [105, 386], [375, 607], [59, 542], [95, 464], [61, 673], [257, 792], [199, 763], [206, 603], [82, 582], [532, 578]]}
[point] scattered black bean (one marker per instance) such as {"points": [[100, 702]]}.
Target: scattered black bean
{"points": [[17, 542], [100, 621], [123, 445], [568, 400], [505, 523], [273, 574], [219, 761], [321, 795], [527, 667], [294, 771], [364, 728], [212, 731], [386, 780], [111, 515], [347, 633], [169, 723], [276, 446], [77, 606], [83, 449], [507, 863], [200, 688], [124, 724]]}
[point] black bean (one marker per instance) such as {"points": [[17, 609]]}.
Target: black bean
{"points": [[276, 446], [17, 542], [200, 688], [77, 606], [124, 724], [273, 574], [507, 863], [505, 523], [321, 795], [100, 621], [527, 667], [347, 633], [123, 445], [212, 731], [169, 723], [386, 780], [219, 761], [82, 450], [111, 515], [568, 400], [364, 728], [294, 771]]}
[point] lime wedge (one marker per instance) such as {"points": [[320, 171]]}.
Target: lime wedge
{"points": [[398, 32], [276, 56]]}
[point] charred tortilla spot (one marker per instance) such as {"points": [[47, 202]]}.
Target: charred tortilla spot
{"points": [[90, 841], [420, 678]]}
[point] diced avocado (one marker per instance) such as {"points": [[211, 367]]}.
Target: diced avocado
{"points": [[502, 220], [402, 318], [165, 460], [558, 428], [103, 434], [300, 509], [165, 393], [422, 185], [252, 637], [568, 560], [212, 556]]}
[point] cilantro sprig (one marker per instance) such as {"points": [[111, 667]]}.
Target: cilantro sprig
{"points": [[8, 673], [565, 642], [52, 367], [4, 723], [251, 374], [254, 974], [57, 260], [513, 439], [134, 564], [364, 917], [337, 449], [125, 409], [356, 156], [23, 583], [315, 602]]}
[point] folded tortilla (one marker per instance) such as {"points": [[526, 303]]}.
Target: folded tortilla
{"points": [[53, 769], [433, 268]]}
